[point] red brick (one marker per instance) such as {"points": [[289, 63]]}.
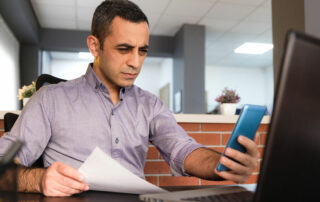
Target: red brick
{"points": [[178, 181], [206, 138], [158, 167], [1, 124], [256, 138], [152, 153], [257, 168], [261, 150], [224, 182], [190, 126], [1, 133], [263, 128], [252, 179], [225, 138], [263, 138], [217, 127], [152, 180]]}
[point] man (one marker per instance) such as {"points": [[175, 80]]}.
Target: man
{"points": [[66, 121]]}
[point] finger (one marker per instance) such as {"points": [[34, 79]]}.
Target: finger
{"points": [[68, 191], [234, 166], [57, 189], [232, 177], [70, 172], [250, 145], [242, 158], [71, 183]]}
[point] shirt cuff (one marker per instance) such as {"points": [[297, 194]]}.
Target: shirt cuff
{"points": [[177, 166]]}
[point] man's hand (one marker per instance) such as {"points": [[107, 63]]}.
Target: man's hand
{"points": [[247, 162], [62, 180]]}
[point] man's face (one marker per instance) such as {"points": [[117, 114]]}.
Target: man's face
{"points": [[124, 51]]}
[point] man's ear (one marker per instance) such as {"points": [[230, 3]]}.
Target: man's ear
{"points": [[93, 45]]}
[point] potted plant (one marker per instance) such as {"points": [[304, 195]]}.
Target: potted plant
{"points": [[26, 92], [228, 101]]}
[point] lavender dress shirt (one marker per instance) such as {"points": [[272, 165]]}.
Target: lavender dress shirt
{"points": [[66, 121]]}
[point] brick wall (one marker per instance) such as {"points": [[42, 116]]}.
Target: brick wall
{"points": [[213, 135], [1, 127]]}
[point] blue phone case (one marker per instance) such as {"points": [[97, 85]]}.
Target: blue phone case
{"points": [[247, 125]]}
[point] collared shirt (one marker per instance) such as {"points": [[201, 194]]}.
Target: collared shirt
{"points": [[66, 121]]}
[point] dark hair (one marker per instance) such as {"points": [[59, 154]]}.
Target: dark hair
{"points": [[108, 10]]}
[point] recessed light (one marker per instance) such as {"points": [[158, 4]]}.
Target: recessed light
{"points": [[253, 48], [85, 55]]}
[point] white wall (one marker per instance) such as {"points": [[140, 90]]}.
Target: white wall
{"points": [[269, 88], [252, 84], [67, 69], [9, 68], [167, 77], [46, 63], [149, 78]]}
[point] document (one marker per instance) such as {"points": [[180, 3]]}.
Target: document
{"points": [[102, 173]]}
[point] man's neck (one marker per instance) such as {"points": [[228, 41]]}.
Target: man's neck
{"points": [[114, 91]]}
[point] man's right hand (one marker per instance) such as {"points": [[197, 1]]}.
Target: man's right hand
{"points": [[62, 180]]}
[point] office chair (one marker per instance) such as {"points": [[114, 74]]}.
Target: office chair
{"points": [[9, 120], [45, 79]]}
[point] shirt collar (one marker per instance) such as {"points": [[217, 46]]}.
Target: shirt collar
{"points": [[95, 83]]}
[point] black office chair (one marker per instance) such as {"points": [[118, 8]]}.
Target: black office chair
{"points": [[45, 79], [9, 119]]}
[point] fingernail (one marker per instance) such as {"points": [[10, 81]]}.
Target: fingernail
{"points": [[87, 188], [81, 178]]}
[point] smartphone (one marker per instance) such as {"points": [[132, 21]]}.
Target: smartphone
{"points": [[247, 125]]}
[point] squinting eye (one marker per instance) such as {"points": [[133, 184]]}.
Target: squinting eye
{"points": [[143, 51], [123, 50]]}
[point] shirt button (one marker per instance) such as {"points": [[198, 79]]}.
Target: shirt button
{"points": [[117, 141]]}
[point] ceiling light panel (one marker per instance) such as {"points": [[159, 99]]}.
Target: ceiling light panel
{"points": [[253, 48]]}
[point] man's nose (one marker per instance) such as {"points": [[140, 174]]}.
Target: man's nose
{"points": [[133, 60]]}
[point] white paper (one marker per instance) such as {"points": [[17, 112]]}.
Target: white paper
{"points": [[102, 173]]}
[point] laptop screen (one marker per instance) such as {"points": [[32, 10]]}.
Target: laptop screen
{"points": [[291, 161]]}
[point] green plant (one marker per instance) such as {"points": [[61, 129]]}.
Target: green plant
{"points": [[27, 91], [228, 96]]}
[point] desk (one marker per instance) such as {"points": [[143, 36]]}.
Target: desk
{"points": [[83, 197], [95, 196]]}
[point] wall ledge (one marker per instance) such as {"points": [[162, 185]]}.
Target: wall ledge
{"points": [[192, 118], [210, 118]]}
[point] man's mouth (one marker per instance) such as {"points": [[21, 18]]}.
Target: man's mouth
{"points": [[129, 75]]}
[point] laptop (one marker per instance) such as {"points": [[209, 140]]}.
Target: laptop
{"points": [[290, 169]]}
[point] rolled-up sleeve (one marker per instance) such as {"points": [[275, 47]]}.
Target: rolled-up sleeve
{"points": [[171, 140], [33, 128]]}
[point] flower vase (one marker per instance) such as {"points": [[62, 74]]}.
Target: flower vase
{"points": [[228, 108], [25, 100]]}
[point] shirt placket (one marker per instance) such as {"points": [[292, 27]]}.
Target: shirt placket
{"points": [[116, 131]]}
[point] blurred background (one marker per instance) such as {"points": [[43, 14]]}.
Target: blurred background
{"points": [[192, 54]]}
